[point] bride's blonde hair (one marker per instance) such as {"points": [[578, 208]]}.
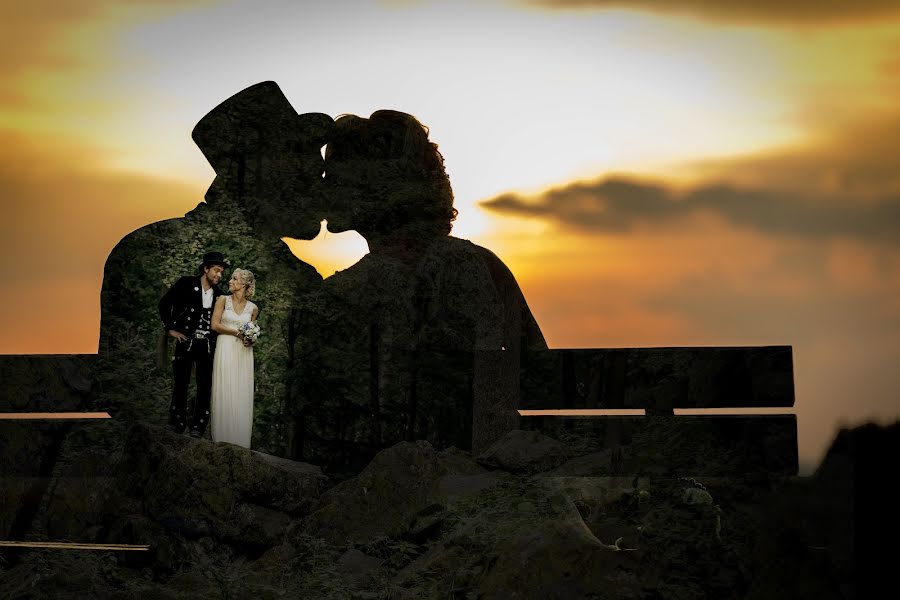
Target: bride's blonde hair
{"points": [[249, 281]]}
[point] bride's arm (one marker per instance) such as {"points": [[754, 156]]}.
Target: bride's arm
{"points": [[253, 316], [217, 318]]}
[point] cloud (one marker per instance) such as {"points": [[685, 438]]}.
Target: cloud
{"points": [[763, 11], [619, 205], [848, 185]]}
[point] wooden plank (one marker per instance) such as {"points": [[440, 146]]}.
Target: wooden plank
{"points": [[684, 445], [73, 546], [658, 379], [53, 416]]}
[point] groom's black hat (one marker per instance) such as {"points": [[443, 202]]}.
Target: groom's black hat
{"points": [[214, 258], [252, 118]]}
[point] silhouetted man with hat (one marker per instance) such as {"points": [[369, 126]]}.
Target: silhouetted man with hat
{"points": [[186, 313], [268, 166]]}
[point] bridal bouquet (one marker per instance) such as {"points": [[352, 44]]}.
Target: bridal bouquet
{"points": [[249, 331]]}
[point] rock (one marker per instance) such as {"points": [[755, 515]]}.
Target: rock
{"points": [[194, 488], [459, 462], [257, 525], [189, 582], [514, 515], [597, 491], [457, 486], [299, 468], [556, 559], [448, 564], [274, 560], [590, 465], [537, 549], [357, 565], [384, 499], [427, 524], [186, 471], [524, 452]]}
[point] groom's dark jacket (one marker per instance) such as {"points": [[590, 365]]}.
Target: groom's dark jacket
{"points": [[181, 308]]}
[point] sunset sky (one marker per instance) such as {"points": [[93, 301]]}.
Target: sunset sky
{"points": [[711, 173]]}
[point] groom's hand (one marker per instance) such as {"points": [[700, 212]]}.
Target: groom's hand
{"points": [[177, 335]]}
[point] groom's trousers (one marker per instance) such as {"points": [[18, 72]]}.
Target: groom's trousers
{"points": [[188, 353]]}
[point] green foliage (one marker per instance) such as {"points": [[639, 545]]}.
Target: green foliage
{"points": [[142, 267]]}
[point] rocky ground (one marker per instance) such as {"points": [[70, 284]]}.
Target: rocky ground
{"points": [[532, 517]]}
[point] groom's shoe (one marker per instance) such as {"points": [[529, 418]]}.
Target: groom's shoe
{"points": [[196, 433]]}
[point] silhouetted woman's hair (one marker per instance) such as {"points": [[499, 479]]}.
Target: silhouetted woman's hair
{"points": [[403, 168]]}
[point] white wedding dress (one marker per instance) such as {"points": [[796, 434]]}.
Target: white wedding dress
{"points": [[232, 382]]}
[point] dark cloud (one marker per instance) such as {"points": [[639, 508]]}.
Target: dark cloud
{"points": [[762, 11], [618, 205]]}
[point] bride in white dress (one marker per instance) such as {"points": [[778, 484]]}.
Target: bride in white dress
{"points": [[232, 377]]}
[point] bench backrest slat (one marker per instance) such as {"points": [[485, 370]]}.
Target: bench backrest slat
{"points": [[658, 378]]}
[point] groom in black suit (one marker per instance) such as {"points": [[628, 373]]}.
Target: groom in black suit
{"points": [[186, 312]]}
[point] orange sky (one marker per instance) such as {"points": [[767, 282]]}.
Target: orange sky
{"points": [[708, 175]]}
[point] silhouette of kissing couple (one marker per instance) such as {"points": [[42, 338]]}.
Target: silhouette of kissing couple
{"points": [[419, 340]]}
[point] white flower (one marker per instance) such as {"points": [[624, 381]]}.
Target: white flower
{"points": [[249, 331]]}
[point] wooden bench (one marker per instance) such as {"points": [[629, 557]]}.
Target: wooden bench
{"points": [[29, 448], [659, 381]]}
